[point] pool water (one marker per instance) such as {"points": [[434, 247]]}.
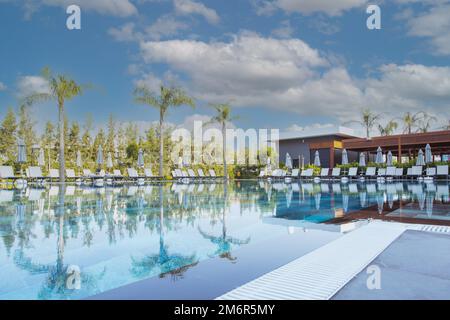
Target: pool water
{"points": [[68, 242]]}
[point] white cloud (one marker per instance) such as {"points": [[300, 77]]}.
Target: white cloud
{"points": [[165, 26], [118, 8], [329, 7], [285, 30], [315, 126], [125, 33], [28, 85], [435, 25], [2, 86], [189, 7], [290, 76]]}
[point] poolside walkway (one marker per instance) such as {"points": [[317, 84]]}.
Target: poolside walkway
{"points": [[324, 271]]}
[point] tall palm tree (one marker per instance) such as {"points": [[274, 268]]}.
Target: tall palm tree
{"points": [[168, 97], [425, 123], [447, 126], [410, 121], [388, 129], [62, 89], [222, 117], [368, 120]]}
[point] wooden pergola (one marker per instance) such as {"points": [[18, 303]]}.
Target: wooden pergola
{"points": [[403, 144]]}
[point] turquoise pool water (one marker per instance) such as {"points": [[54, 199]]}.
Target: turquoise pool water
{"points": [[74, 242]]}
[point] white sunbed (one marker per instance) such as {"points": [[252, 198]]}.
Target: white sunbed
{"points": [[399, 173], [35, 173], [70, 174], [370, 172], [325, 173], [7, 172], [336, 173], [442, 171], [295, 173], [307, 174], [54, 174], [353, 172]]}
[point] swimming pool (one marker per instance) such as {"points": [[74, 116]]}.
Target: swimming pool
{"points": [[75, 242]]}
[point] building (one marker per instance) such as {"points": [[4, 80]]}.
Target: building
{"points": [[405, 145], [302, 146], [330, 142]]}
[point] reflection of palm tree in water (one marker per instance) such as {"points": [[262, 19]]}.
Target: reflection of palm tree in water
{"points": [[223, 241], [58, 275], [173, 264]]}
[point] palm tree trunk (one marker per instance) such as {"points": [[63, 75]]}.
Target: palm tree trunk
{"points": [[161, 143], [224, 148], [61, 144]]}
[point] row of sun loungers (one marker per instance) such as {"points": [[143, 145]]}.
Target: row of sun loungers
{"points": [[34, 174], [190, 175], [415, 172]]}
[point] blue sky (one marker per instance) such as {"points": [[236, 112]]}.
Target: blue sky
{"points": [[283, 63]]}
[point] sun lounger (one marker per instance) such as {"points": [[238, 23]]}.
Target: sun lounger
{"points": [[370, 172], [442, 172], [295, 173], [35, 174], [262, 174], [149, 175], [399, 173], [213, 174], [7, 173], [414, 172], [53, 174], [336, 173], [325, 173], [390, 172], [135, 177], [430, 174], [307, 174]]}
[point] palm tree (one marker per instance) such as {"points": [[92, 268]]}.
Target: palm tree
{"points": [[411, 121], [368, 120], [222, 117], [447, 126], [62, 89], [389, 129], [168, 97], [425, 123]]}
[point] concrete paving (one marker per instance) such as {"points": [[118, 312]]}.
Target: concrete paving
{"points": [[415, 266]]}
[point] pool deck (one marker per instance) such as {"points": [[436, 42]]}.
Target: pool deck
{"points": [[321, 273], [339, 267], [416, 266]]}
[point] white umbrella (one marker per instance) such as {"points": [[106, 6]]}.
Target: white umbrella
{"points": [[362, 159], [428, 155], [41, 158], [344, 157], [100, 156], [21, 152], [140, 161], [288, 161], [79, 162], [317, 159], [379, 158], [389, 159], [180, 162], [363, 199], [420, 159], [109, 162]]}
